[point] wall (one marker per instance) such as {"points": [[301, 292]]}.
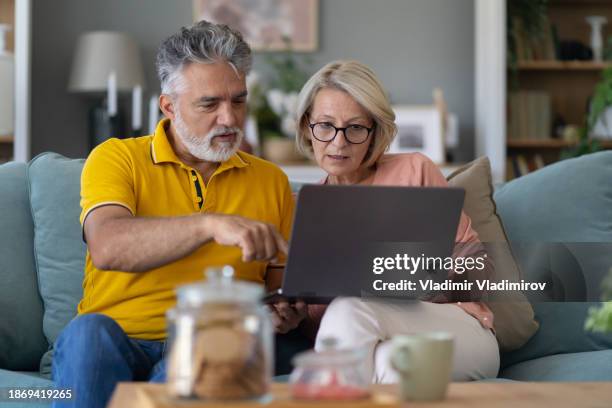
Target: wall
{"points": [[413, 45]]}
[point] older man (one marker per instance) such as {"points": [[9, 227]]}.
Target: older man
{"points": [[157, 210]]}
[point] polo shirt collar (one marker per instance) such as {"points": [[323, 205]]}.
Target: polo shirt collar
{"points": [[162, 152]]}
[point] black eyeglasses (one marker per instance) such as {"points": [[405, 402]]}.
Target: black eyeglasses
{"points": [[326, 132]]}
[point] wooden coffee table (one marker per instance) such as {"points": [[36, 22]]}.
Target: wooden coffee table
{"points": [[460, 395]]}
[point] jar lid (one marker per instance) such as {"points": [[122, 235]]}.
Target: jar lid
{"points": [[330, 356], [219, 287]]}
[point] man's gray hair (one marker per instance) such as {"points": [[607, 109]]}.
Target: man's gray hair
{"points": [[202, 42]]}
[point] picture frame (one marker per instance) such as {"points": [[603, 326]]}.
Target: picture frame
{"points": [[419, 129], [266, 25]]}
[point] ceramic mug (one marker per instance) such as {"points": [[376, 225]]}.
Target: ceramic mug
{"points": [[424, 363]]}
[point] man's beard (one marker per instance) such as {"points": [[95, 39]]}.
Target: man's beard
{"points": [[201, 147]]}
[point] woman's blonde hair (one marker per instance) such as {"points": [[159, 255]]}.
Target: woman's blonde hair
{"points": [[359, 82]]}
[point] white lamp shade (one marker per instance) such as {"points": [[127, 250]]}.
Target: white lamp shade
{"points": [[99, 53]]}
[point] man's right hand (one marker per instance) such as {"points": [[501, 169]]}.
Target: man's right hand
{"points": [[118, 241], [257, 240]]}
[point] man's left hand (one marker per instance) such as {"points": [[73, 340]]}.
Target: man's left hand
{"points": [[286, 317]]}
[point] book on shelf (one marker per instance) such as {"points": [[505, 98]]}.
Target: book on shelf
{"points": [[529, 115], [539, 161], [520, 165], [509, 170], [523, 167]]}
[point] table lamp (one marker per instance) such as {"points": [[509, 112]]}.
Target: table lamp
{"points": [[107, 61]]}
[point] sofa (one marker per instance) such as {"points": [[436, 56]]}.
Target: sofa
{"points": [[558, 220]]}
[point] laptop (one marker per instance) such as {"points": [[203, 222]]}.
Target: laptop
{"points": [[339, 231]]}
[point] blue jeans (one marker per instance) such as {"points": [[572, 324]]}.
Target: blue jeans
{"points": [[93, 354]]}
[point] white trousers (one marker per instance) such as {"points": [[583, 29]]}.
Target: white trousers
{"points": [[371, 324]]}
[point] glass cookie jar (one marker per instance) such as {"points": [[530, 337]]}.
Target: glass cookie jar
{"points": [[220, 340]]}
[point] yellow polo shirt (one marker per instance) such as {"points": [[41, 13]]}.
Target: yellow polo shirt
{"points": [[145, 176]]}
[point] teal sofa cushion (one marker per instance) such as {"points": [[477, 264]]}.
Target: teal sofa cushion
{"points": [[54, 185], [569, 201], [10, 379], [559, 215], [21, 338], [559, 223], [559, 333], [587, 366]]}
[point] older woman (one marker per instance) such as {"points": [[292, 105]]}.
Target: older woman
{"points": [[346, 123]]}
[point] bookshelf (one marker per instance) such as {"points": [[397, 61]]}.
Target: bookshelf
{"points": [[563, 66], [7, 16], [557, 91], [549, 144]]}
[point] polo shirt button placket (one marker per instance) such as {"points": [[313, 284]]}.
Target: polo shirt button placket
{"points": [[198, 190]]}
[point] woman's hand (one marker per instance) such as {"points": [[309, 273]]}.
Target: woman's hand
{"points": [[286, 317]]}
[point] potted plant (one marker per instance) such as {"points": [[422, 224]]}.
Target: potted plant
{"points": [[599, 119], [599, 122], [528, 16], [273, 104], [600, 318]]}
